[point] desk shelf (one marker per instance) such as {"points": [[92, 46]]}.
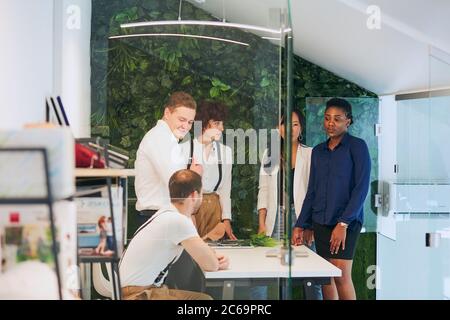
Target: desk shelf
{"points": [[97, 259], [107, 174], [98, 173], [47, 200]]}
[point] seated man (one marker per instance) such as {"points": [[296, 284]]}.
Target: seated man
{"points": [[159, 242]]}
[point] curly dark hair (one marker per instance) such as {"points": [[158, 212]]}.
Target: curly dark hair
{"points": [[210, 110]]}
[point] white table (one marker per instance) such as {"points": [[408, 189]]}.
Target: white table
{"points": [[252, 263]]}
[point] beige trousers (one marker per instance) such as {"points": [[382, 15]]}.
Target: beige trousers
{"points": [[209, 214], [160, 293]]}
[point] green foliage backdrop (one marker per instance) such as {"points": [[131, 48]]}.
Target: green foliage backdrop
{"points": [[132, 78]]}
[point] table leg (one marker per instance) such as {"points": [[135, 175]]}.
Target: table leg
{"points": [[85, 271], [228, 290]]}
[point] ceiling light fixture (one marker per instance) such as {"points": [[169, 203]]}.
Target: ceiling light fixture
{"points": [[200, 23], [271, 38], [177, 35]]}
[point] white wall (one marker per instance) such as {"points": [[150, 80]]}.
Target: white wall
{"points": [[73, 81], [26, 60], [45, 51]]}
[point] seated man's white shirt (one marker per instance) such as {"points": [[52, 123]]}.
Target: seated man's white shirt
{"points": [[154, 246], [158, 157]]}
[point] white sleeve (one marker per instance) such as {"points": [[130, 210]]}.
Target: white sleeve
{"points": [[166, 157], [263, 192], [225, 189], [182, 228], [263, 188]]}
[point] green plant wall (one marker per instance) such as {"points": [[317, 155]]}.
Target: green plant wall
{"points": [[132, 78]]}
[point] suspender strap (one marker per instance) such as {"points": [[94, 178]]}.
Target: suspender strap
{"points": [[191, 153], [163, 273], [219, 164], [137, 231]]}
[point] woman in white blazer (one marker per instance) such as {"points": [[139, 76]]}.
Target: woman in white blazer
{"points": [[269, 178], [270, 221]]}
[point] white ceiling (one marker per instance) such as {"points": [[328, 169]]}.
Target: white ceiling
{"points": [[334, 35]]}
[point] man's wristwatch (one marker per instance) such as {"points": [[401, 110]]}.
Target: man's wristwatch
{"points": [[343, 224]]}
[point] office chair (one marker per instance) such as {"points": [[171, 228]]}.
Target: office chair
{"points": [[102, 284], [185, 274]]}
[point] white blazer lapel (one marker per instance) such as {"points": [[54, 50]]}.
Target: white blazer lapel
{"points": [[301, 177]]}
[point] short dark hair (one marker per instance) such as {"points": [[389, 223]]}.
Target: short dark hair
{"points": [[210, 110], [182, 183], [342, 104], [180, 99]]}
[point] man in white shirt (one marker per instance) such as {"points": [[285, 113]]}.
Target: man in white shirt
{"points": [[158, 243], [159, 155]]}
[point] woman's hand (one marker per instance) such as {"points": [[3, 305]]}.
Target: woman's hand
{"points": [[229, 230], [212, 134], [297, 236], [338, 238], [262, 228], [196, 167], [262, 213], [308, 237]]}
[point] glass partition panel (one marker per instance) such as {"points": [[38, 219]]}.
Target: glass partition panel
{"points": [[182, 46], [416, 265], [437, 237]]}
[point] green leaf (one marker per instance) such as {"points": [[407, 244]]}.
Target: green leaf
{"points": [[120, 17], [186, 80], [216, 82], [143, 65], [242, 194], [264, 82], [165, 81], [214, 92], [155, 14], [125, 142], [261, 240]]}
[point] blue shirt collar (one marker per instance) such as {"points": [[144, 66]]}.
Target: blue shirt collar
{"points": [[344, 141]]}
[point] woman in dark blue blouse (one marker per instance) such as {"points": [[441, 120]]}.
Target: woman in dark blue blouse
{"points": [[333, 206]]}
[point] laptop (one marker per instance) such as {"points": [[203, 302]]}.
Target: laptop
{"points": [[227, 243]]}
